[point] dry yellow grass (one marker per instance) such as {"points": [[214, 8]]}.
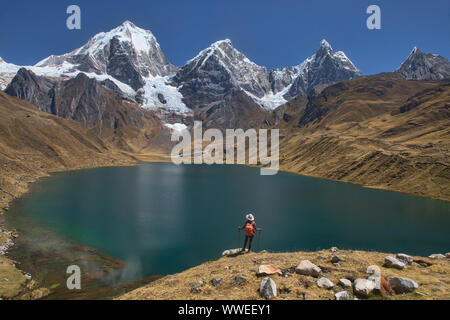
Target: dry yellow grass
{"points": [[434, 281], [376, 131], [11, 279]]}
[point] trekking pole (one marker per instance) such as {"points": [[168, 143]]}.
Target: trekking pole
{"points": [[239, 238], [259, 239]]}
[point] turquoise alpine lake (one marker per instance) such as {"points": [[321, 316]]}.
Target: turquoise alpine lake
{"points": [[159, 218]]}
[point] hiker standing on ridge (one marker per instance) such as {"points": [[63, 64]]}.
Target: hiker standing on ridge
{"points": [[250, 231]]}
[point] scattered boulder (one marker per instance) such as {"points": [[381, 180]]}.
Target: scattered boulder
{"points": [[381, 284], [391, 262], [363, 287], [239, 280], [373, 269], [268, 288], [336, 259], [376, 278], [334, 249], [405, 258], [267, 270], [308, 268], [345, 283], [232, 252], [342, 295], [196, 287], [447, 255], [216, 282], [402, 285], [423, 263], [437, 256], [325, 283]]}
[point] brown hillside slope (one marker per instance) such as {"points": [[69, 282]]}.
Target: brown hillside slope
{"points": [[377, 131], [99, 106], [34, 143]]}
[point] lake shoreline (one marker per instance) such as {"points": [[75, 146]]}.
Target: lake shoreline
{"points": [[134, 160], [22, 283]]}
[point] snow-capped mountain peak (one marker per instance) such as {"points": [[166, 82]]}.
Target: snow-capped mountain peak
{"points": [[424, 66], [323, 67], [224, 51], [126, 53], [325, 45], [143, 41], [234, 68]]}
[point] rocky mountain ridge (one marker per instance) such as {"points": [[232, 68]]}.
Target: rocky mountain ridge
{"points": [[424, 66], [220, 85], [219, 76]]}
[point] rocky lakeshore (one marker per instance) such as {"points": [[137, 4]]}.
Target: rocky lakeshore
{"points": [[322, 275], [14, 282]]}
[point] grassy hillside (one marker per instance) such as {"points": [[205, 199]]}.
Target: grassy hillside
{"points": [[33, 143], [433, 280], [377, 131]]}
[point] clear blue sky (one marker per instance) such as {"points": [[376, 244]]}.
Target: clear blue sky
{"points": [[273, 33]]}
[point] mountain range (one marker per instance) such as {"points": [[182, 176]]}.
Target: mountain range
{"points": [[220, 86], [218, 82]]}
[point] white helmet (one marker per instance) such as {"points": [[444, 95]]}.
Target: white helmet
{"points": [[250, 217]]}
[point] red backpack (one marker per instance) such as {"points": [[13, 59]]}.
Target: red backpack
{"points": [[250, 230]]}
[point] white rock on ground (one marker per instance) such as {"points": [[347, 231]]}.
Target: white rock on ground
{"points": [[437, 256], [268, 288], [345, 283], [343, 295], [405, 258], [231, 252], [373, 269], [308, 268], [376, 278], [402, 285], [391, 262], [325, 283], [267, 270], [363, 287]]}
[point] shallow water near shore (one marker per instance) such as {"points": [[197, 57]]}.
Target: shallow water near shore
{"points": [[122, 224]]}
